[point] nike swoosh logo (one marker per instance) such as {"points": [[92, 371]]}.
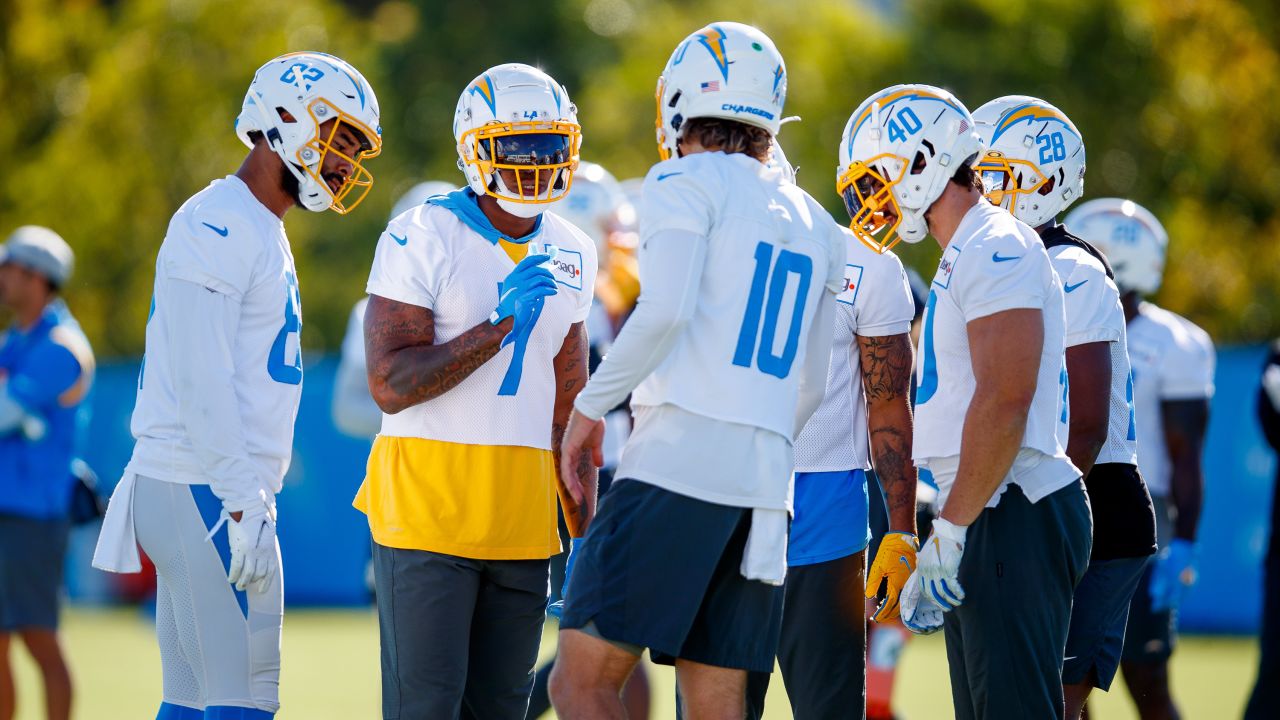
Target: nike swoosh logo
{"points": [[1069, 288], [664, 176], [996, 257], [220, 230], [401, 241]]}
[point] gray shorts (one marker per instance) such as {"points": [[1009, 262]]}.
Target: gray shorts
{"points": [[459, 636], [1021, 565], [32, 553]]}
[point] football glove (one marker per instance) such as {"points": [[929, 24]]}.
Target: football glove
{"points": [[920, 614], [1173, 574], [938, 563], [556, 609], [253, 549], [529, 281], [894, 563]]}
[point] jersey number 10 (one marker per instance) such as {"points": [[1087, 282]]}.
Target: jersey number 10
{"points": [[775, 283]]}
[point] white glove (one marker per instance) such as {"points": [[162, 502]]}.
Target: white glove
{"points": [[253, 549], [920, 614], [938, 564]]}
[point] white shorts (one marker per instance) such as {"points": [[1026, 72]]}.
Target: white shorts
{"points": [[218, 647]]}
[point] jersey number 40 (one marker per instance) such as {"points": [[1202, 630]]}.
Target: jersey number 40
{"points": [[772, 277]]}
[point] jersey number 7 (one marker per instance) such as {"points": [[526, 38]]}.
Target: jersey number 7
{"points": [[775, 284]]}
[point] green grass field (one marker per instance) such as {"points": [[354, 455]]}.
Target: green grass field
{"points": [[330, 670]]}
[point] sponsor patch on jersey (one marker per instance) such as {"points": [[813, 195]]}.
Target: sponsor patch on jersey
{"points": [[947, 266], [852, 281], [567, 268]]}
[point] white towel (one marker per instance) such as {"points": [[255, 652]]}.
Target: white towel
{"points": [[117, 549], [765, 557]]}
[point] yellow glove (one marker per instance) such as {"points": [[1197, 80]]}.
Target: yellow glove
{"points": [[894, 563]]}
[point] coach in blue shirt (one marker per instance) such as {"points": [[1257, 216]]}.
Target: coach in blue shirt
{"points": [[46, 367]]}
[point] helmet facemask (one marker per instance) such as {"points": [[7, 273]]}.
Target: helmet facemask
{"points": [[311, 157], [867, 191], [526, 165]]}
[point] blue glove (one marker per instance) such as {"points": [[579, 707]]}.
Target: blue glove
{"points": [[526, 283], [556, 609], [1174, 572]]}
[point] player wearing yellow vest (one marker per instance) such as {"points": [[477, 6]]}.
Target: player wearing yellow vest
{"points": [[476, 350]]}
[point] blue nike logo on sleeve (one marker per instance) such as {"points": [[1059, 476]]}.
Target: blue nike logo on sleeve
{"points": [[664, 176], [996, 257], [1069, 288], [220, 230], [401, 241]]}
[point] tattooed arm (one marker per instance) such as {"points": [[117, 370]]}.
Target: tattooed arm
{"points": [[886, 380], [571, 376], [405, 367]]}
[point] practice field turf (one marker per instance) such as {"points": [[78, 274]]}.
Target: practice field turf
{"points": [[331, 671]]}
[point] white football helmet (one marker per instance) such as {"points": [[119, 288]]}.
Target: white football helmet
{"points": [[596, 204], [1034, 164], [898, 150], [516, 120], [1131, 237], [418, 194], [314, 88], [725, 70]]}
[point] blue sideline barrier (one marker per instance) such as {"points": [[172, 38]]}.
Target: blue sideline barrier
{"points": [[325, 542]]}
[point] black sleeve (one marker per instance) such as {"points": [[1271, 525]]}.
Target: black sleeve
{"points": [[1268, 413]]}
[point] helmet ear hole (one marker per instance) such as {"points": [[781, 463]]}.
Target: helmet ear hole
{"points": [[285, 115], [917, 165], [1049, 186]]}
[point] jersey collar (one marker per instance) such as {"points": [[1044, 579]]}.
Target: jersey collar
{"points": [[462, 203]]}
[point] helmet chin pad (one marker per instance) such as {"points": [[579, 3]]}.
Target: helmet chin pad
{"points": [[914, 227], [525, 210]]}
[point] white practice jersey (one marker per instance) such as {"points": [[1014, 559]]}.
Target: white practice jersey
{"points": [[772, 254], [875, 302], [225, 240], [1094, 314], [716, 403], [430, 258], [1172, 359], [993, 263]]}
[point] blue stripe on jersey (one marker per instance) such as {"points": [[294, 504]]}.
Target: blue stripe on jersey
{"points": [[210, 508], [169, 711]]}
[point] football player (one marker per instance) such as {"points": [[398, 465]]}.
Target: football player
{"points": [[476, 348], [219, 388], [727, 354], [1034, 167], [864, 419], [354, 411], [1173, 363], [990, 406], [598, 207], [1264, 701]]}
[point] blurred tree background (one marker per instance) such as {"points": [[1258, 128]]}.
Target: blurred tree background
{"points": [[116, 111]]}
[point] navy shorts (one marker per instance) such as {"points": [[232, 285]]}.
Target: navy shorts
{"points": [[660, 570], [32, 553], [1099, 614], [1151, 636]]}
